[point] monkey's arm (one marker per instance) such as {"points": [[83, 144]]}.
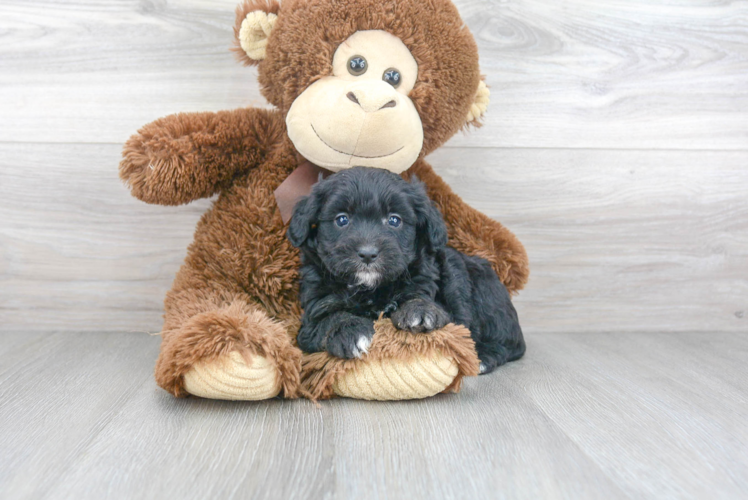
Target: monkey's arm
{"points": [[474, 233], [186, 156]]}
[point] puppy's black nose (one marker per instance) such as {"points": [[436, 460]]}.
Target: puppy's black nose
{"points": [[368, 254]]}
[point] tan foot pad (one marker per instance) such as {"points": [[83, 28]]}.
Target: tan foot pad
{"points": [[230, 377], [400, 365]]}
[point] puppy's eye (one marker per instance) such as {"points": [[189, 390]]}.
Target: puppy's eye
{"points": [[394, 221], [357, 65], [341, 220]]}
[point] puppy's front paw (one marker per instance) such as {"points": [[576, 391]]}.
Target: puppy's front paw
{"points": [[420, 316], [350, 338]]}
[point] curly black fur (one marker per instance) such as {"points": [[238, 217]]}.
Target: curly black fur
{"points": [[372, 244]]}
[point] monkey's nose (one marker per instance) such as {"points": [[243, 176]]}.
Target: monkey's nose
{"points": [[370, 105], [368, 254], [352, 97]]}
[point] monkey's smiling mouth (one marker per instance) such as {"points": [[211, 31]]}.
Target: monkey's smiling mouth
{"points": [[351, 154]]}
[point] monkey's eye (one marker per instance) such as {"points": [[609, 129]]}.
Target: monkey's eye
{"points": [[342, 220], [394, 221], [357, 65], [392, 76]]}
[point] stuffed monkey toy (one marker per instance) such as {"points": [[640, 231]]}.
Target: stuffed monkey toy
{"points": [[377, 83]]}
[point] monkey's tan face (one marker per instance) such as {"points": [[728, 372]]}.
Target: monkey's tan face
{"points": [[361, 115]]}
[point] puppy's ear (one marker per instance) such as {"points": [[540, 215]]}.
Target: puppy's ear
{"points": [[431, 227], [304, 216], [434, 227]]}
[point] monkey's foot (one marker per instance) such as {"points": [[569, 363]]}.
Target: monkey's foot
{"points": [[232, 377], [236, 352]]}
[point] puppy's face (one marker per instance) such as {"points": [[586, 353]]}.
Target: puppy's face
{"points": [[366, 225]]}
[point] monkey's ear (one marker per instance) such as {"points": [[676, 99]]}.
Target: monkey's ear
{"points": [[480, 104], [255, 20]]}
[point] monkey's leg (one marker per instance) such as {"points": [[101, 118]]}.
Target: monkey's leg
{"points": [[221, 346]]}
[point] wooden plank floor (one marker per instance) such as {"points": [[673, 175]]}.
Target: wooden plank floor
{"points": [[582, 416]]}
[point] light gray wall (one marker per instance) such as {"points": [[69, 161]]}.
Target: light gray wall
{"points": [[616, 147]]}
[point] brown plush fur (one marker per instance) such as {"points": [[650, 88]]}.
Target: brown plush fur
{"points": [[237, 289], [320, 370], [160, 161]]}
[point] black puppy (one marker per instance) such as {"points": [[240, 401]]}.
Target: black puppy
{"points": [[374, 243]]}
